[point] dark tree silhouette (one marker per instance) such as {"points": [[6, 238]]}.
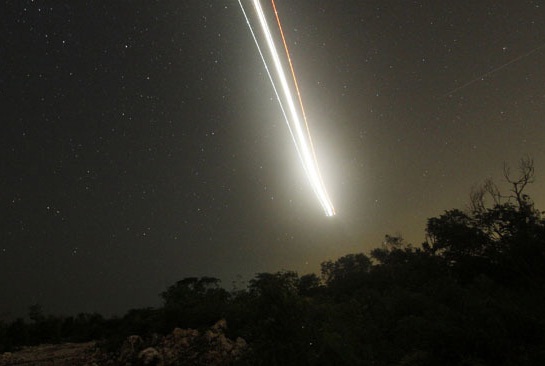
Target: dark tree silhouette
{"points": [[472, 294], [194, 302]]}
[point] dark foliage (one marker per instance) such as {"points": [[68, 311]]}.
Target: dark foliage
{"points": [[194, 302], [472, 294]]}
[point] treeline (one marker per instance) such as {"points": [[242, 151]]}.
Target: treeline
{"points": [[51, 329], [472, 294]]}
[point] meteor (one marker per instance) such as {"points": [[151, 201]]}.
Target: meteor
{"points": [[300, 136]]}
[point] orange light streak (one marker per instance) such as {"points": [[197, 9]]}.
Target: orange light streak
{"points": [[301, 138], [295, 82], [296, 88]]}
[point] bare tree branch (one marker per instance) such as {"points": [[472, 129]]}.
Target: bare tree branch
{"points": [[518, 184]]}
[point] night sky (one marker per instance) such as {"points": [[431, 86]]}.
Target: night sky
{"points": [[142, 143]]}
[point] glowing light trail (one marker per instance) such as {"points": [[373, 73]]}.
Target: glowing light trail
{"points": [[294, 78], [298, 94], [302, 141], [272, 82]]}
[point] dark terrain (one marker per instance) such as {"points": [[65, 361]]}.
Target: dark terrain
{"points": [[472, 294]]}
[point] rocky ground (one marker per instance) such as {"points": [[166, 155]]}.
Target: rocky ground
{"points": [[181, 347], [59, 355]]}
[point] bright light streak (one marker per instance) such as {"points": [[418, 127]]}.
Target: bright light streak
{"points": [[300, 99], [272, 81], [301, 140]]}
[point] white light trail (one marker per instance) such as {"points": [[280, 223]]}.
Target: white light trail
{"points": [[301, 140], [272, 81]]}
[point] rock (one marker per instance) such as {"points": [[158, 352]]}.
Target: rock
{"points": [[150, 357], [65, 354], [212, 347], [210, 335], [240, 347], [225, 343], [130, 349], [181, 347], [135, 341], [220, 326]]}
